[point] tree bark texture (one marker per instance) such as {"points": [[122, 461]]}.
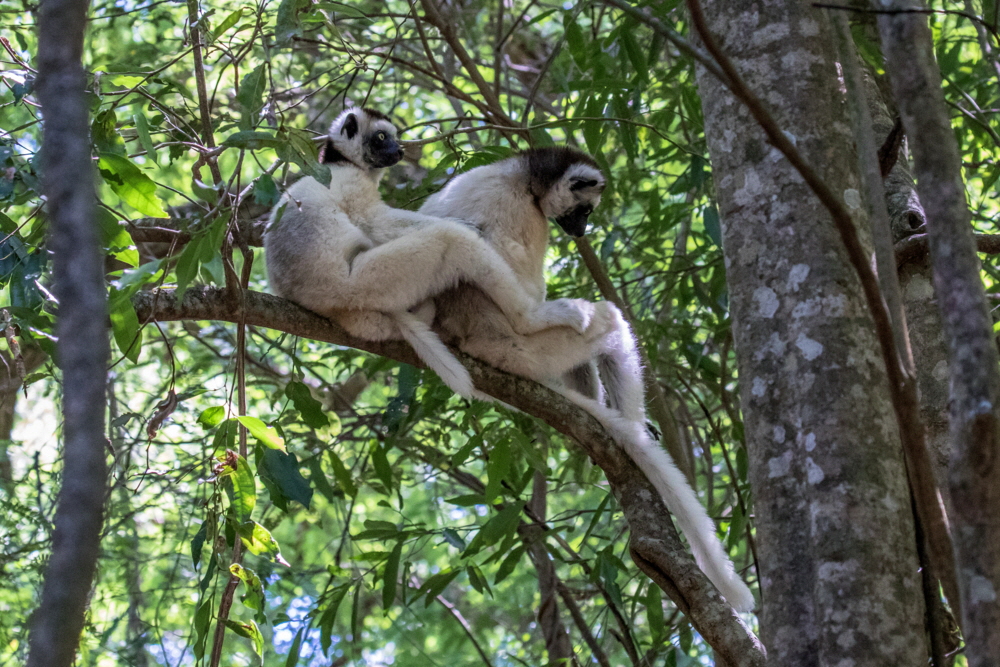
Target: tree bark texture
{"points": [[82, 350], [839, 570], [653, 541], [973, 360]]}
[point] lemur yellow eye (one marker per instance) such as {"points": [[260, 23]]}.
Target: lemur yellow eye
{"points": [[381, 136]]}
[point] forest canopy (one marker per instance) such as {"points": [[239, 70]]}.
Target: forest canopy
{"points": [[378, 518]]}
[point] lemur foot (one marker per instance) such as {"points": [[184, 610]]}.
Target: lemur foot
{"points": [[574, 313]]}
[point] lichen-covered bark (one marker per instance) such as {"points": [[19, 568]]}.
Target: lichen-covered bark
{"points": [[839, 575]]}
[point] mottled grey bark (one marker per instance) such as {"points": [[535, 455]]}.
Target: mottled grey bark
{"points": [[974, 364], [82, 351], [835, 531]]}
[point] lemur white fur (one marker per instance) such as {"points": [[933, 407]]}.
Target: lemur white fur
{"points": [[509, 202], [341, 252]]}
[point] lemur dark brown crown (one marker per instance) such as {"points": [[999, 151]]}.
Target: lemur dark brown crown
{"points": [[547, 165]]}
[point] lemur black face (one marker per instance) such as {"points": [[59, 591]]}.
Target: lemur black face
{"points": [[574, 222], [382, 150]]}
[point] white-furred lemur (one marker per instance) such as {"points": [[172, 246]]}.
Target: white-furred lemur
{"points": [[385, 273], [342, 252]]}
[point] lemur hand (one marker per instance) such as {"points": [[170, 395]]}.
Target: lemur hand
{"points": [[573, 313]]}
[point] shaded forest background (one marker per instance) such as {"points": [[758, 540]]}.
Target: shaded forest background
{"points": [[386, 520]]}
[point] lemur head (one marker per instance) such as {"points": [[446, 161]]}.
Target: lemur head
{"points": [[567, 185], [363, 137]]}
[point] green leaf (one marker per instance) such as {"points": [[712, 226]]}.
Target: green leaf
{"points": [[259, 541], [389, 575], [142, 129], [467, 500], [434, 585], [462, 454], [310, 409], [504, 523], [508, 564], [281, 475], [212, 417], [250, 140], [297, 147], [318, 478], [125, 325], [228, 23], [654, 612], [253, 597], [342, 475], [265, 191], [265, 434], [477, 580], [454, 539], [293, 653], [330, 615], [202, 624], [251, 96], [251, 632], [575, 40], [497, 468], [198, 542], [131, 185], [287, 24], [244, 490], [381, 463]]}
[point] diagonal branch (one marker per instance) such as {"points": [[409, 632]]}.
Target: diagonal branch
{"points": [[655, 544]]}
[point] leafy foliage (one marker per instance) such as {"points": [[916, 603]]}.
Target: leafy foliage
{"points": [[384, 519]]}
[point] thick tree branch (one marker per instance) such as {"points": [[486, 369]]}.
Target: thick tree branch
{"points": [[78, 269], [655, 544]]}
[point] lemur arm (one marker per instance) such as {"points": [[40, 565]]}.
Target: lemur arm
{"points": [[394, 223]]}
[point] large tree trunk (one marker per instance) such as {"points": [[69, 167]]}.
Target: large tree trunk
{"points": [[82, 351], [839, 570], [974, 367]]}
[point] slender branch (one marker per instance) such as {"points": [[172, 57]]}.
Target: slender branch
{"points": [[581, 624], [226, 602], [448, 32], [83, 352], [208, 136], [457, 615], [902, 385]]}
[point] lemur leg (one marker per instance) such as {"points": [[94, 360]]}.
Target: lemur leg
{"points": [[403, 272], [378, 326], [545, 356]]}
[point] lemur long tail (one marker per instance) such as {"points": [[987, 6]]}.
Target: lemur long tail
{"points": [[679, 498], [622, 375], [435, 354]]}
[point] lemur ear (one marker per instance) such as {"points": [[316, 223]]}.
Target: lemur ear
{"points": [[328, 153], [350, 126], [581, 183]]}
